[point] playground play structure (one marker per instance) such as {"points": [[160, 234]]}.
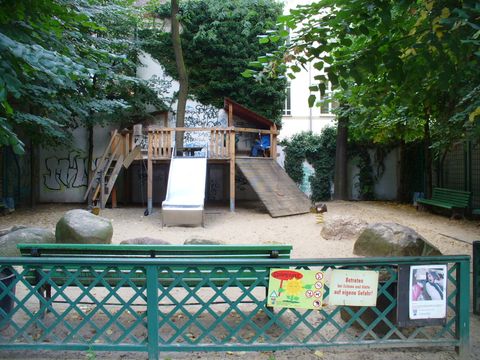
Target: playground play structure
{"points": [[187, 172]]}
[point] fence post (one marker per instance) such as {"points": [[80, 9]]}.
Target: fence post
{"points": [[462, 302], [476, 277], [152, 312]]}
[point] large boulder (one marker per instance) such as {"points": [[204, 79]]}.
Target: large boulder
{"points": [[392, 239], [24, 235], [10, 229], [195, 241], [82, 227], [145, 241], [340, 228]]}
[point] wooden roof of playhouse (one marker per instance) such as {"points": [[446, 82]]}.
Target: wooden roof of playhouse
{"points": [[247, 114]]}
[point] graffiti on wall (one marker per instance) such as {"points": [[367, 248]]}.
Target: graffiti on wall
{"points": [[205, 116], [241, 182], [68, 172]]}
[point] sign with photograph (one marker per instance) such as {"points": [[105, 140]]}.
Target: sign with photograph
{"points": [[353, 287], [427, 297], [302, 289]]}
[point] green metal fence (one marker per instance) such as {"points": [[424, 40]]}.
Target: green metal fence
{"points": [[158, 305], [476, 277]]}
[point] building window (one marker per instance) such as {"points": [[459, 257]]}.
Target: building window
{"points": [[328, 103], [287, 110]]}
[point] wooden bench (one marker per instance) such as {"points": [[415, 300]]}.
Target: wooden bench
{"points": [[455, 200], [60, 276]]}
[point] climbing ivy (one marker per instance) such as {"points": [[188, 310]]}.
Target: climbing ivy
{"points": [[366, 180], [369, 158], [319, 151]]}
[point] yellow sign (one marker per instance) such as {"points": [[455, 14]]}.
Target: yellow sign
{"points": [[353, 287], [302, 289]]}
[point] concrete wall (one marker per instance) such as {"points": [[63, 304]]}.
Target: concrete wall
{"points": [[386, 184], [63, 170]]}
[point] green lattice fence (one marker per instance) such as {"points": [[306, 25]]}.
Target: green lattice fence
{"points": [[157, 305]]}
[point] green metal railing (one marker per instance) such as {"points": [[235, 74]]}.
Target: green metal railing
{"points": [[476, 277], [158, 305]]}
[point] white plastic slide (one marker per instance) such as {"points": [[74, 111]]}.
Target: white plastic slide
{"points": [[185, 197]]}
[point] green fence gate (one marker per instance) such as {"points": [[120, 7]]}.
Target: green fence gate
{"points": [[160, 305]]}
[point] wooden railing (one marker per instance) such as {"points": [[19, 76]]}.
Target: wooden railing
{"points": [[160, 141], [219, 145], [221, 141]]}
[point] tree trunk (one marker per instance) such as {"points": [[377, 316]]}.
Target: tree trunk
{"points": [[182, 74], [402, 190], [341, 180], [90, 160], [428, 157], [34, 174]]}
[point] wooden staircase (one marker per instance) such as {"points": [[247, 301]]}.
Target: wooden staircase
{"points": [[118, 154]]}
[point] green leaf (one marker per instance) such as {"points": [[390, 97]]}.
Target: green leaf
{"points": [[255, 64], [247, 73], [323, 88], [311, 100], [7, 107], [318, 65], [474, 114], [333, 78], [346, 42], [284, 33], [263, 39], [274, 38], [295, 68]]}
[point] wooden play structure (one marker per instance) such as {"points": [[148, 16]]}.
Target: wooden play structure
{"points": [[229, 145]]}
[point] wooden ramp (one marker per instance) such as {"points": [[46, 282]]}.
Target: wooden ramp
{"points": [[274, 187]]}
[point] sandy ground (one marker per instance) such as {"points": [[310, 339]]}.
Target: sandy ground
{"points": [[251, 225]]}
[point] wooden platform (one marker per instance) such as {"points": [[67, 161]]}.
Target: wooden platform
{"points": [[274, 187]]}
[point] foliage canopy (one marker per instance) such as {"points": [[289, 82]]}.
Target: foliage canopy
{"points": [[66, 63], [400, 65], [219, 39]]}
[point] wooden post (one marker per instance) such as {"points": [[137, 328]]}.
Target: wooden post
{"points": [[114, 197], [149, 175], [273, 142], [230, 115], [232, 171]]}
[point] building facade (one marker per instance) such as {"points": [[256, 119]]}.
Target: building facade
{"points": [[297, 115]]}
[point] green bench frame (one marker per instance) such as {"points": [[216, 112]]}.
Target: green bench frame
{"points": [[455, 200], [86, 277]]}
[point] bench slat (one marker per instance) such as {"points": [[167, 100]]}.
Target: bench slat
{"points": [[100, 275], [448, 199], [179, 251]]}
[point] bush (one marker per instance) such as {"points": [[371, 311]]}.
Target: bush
{"points": [[319, 151]]}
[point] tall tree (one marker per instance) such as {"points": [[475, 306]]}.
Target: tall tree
{"points": [[219, 39], [406, 77], [65, 64], [182, 73], [341, 158]]}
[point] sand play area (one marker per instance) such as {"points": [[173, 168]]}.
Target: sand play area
{"points": [[250, 224]]}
